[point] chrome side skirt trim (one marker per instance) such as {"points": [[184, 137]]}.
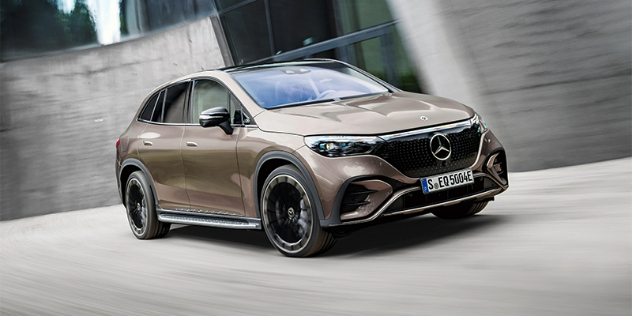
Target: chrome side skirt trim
{"points": [[211, 220], [400, 193]]}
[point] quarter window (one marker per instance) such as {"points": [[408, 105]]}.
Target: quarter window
{"points": [[149, 108]]}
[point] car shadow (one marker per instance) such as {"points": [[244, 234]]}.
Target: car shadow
{"points": [[247, 238], [414, 232]]}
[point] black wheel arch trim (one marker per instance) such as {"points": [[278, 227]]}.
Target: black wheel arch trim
{"points": [[291, 159], [136, 163]]}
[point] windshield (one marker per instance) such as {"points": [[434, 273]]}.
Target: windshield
{"points": [[305, 83]]}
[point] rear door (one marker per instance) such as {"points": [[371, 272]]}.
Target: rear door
{"points": [[159, 145], [209, 154]]}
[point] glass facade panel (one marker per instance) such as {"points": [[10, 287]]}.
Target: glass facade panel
{"points": [[223, 4], [406, 77], [246, 30], [138, 17], [298, 23], [356, 15], [368, 56]]}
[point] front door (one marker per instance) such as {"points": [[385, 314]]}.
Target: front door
{"points": [[209, 155]]}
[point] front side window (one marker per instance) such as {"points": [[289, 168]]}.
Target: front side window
{"points": [[294, 84], [209, 94]]}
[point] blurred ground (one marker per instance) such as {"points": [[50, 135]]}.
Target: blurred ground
{"points": [[557, 243]]}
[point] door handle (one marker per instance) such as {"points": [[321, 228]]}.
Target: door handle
{"points": [[147, 143], [192, 144]]}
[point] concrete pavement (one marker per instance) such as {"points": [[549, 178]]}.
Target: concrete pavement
{"points": [[557, 243]]}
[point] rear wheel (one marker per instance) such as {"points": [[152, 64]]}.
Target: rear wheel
{"points": [[141, 209], [460, 210], [290, 216]]}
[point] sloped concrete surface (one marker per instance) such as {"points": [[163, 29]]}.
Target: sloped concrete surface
{"points": [[557, 243]]}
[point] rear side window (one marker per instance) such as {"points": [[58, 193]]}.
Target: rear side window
{"points": [[174, 103], [149, 108]]}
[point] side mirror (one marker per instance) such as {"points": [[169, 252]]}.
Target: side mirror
{"points": [[218, 116]]}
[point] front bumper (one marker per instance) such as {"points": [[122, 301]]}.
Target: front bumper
{"points": [[362, 189]]}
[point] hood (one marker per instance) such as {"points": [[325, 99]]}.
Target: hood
{"points": [[370, 115]]}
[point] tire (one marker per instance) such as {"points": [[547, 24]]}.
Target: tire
{"points": [[141, 208], [289, 215], [460, 210]]}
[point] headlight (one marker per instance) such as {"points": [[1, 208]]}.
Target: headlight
{"points": [[339, 146], [478, 120]]}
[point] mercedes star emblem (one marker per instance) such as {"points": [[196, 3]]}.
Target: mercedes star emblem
{"points": [[440, 147]]}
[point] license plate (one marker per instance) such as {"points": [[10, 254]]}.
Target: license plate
{"points": [[447, 180]]}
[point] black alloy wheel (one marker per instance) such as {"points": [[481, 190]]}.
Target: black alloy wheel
{"points": [[141, 209], [290, 217]]}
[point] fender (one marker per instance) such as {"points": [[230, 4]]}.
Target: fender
{"points": [[282, 155], [137, 163]]}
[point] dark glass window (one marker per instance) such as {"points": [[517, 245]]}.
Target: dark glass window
{"points": [[368, 56], [157, 114], [247, 32], [298, 23], [149, 108], [174, 103], [356, 15], [138, 17], [223, 4]]}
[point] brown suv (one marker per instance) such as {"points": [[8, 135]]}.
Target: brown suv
{"points": [[306, 150]]}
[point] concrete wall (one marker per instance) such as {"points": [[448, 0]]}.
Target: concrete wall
{"points": [[61, 115], [551, 78]]}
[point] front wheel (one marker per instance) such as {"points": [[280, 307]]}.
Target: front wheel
{"points": [[460, 210], [290, 216]]}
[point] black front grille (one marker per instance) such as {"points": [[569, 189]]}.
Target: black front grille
{"points": [[411, 155]]}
